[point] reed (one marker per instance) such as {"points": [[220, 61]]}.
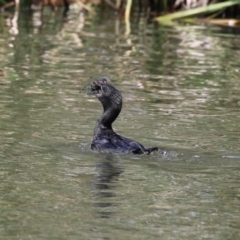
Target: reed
{"points": [[168, 18]]}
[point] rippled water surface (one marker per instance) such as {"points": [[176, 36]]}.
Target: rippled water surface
{"points": [[181, 90]]}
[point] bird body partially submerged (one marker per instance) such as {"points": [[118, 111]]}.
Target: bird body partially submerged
{"points": [[105, 139]]}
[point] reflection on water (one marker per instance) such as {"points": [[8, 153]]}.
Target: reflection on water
{"points": [[181, 92], [105, 184]]}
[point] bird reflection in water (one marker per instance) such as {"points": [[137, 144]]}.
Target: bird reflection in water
{"points": [[105, 183]]}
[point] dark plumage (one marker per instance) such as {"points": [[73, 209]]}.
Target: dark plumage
{"points": [[104, 136]]}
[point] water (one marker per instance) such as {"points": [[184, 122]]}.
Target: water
{"points": [[181, 92]]}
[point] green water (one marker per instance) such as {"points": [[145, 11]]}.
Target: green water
{"points": [[181, 91]]}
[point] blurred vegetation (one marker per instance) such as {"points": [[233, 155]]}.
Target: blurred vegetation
{"points": [[203, 10], [163, 11]]}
